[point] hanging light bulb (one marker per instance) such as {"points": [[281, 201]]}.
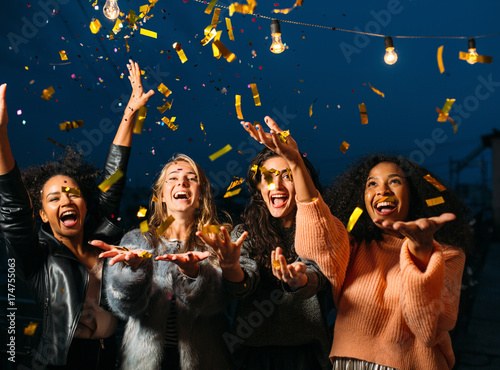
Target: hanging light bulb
{"points": [[472, 57], [277, 46], [111, 9], [390, 56]]}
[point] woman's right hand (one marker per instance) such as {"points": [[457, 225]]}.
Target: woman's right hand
{"points": [[130, 257], [138, 98]]}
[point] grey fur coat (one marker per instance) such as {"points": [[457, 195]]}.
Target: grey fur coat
{"points": [[142, 298]]}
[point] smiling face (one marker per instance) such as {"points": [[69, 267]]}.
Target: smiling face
{"points": [[387, 195], [181, 190], [280, 201], [64, 211]]}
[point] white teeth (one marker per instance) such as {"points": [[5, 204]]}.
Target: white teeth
{"points": [[385, 204], [176, 195], [279, 196], [68, 213]]}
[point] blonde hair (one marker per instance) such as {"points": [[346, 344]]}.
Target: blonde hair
{"points": [[205, 215]]}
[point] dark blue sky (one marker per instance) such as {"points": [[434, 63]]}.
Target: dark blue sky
{"points": [[315, 67]]}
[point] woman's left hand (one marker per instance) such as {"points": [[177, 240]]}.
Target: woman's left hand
{"points": [[293, 274], [420, 233], [138, 98], [187, 262]]}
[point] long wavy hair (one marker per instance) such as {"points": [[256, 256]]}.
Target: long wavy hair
{"points": [[348, 192], [264, 231], [204, 215]]}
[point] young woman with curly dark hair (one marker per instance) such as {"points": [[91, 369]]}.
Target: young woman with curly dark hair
{"points": [[396, 277], [59, 266], [280, 316]]}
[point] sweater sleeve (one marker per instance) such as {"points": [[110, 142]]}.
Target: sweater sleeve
{"points": [[316, 281], [430, 299], [322, 238]]}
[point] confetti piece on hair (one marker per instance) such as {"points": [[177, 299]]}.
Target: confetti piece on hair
{"points": [[254, 169], [74, 191], [210, 229], [435, 183], [353, 218], [144, 226], [69, 125], [55, 142], [232, 193], [235, 183], [145, 254], [62, 55], [95, 26], [376, 91], [255, 92], [344, 146], [210, 6], [229, 56], [229, 29], [106, 184], [165, 106], [170, 123], [237, 104], [440, 58], [154, 199], [165, 225], [148, 33], [363, 113], [180, 52], [139, 122], [142, 212], [288, 10], [30, 329], [434, 201], [47, 93], [478, 58], [283, 135], [220, 152], [242, 8], [164, 90]]}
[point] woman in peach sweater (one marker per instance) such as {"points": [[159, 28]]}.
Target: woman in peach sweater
{"points": [[396, 278]]}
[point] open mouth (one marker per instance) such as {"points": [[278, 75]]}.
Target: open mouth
{"points": [[385, 205], [181, 195], [69, 218], [279, 200]]}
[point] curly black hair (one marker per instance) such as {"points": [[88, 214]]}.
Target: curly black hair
{"points": [[70, 163], [348, 190], [266, 232]]}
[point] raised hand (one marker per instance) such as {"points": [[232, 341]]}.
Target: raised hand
{"points": [[187, 262], [4, 119], [227, 252], [293, 274], [131, 257], [138, 98]]}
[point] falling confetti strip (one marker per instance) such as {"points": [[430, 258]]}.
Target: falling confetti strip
{"points": [[220, 152], [165, 106], [95, 26], [106, 184], [62, 55], [242, 8], [69, 125], [363, 114], [210, 229], [288, 10], [434, 201], [144, 226], [55, 142], [344, 146], [148, 33], [237, 104], [47, 93], [68, 190], [229, 29], [377, 91], [232, 193], [165, 225], [139, 122], [142, 212], [170, 123], [353, 219], [435, 183], [164, 90], [180, 52], [255, 93], [210, 6], [440, 58]]}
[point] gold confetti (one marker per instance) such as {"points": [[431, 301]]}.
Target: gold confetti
{"points": [[220, 152], [276, 264], [254, 169], [353, 218], [170, 123], [377, 91], [139, 122], [164, 90], [210, 229], [95, 26], [165, 106], [210, 6], [434, 182], [344, 146], [155, 199], [122, 248], [443, 114], [62, 55], [180, 52], [148, 33], [440, 58], [106, 184], [434, 201], [242, 8], [237, 104], [268, 177], [215, 18], [145, 254], [68, 190], [255, 93], [30, 329], [47, 93], [69, 125], [477, 58], [363, 113], [288, 10], [116, 27], [165, 225], [55, 142], [229, 29], [283, 135], [229, 56], [142, 212], [232, 193], [235, 183], [144, 226], [209, 36]]}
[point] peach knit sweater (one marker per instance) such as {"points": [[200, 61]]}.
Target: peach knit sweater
{"points": [[389, 312]]}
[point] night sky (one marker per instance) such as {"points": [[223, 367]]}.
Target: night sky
{"points": [[328, 69]]}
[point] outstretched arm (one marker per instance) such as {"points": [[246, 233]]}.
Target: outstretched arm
{"points": [[6, 158]]}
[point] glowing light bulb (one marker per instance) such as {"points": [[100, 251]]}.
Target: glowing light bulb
{"points": [[111, 9], [472, 58], [390, 56], [277, 46]]}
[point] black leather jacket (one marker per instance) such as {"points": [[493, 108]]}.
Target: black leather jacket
{"points": [[57, 280]]}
